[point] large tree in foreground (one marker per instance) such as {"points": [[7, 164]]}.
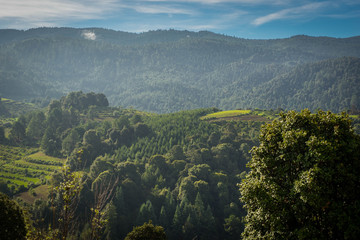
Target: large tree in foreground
{"points": [[304, 181]]}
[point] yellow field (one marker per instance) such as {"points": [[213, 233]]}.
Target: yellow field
{"points": [[223, 114]]}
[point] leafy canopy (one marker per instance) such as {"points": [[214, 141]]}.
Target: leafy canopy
{"points": [[12, 219], [304, 179], [147, 232]]}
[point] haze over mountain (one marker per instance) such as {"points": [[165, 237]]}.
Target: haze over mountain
{"points": [[169, 70]]}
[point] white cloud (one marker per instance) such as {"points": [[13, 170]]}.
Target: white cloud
{"points": [[296, 12], [48, 12], [88, 35]]}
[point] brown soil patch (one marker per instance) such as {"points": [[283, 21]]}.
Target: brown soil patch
{"points": [[41, 192]]}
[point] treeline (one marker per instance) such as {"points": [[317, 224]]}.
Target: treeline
{"points": [[127, 167], [168, 71]]}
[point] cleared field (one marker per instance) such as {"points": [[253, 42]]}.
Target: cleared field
{"points": [[225, 114], [241, 115], [40, 192]]}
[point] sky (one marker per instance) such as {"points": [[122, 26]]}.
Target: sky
{"points": [[252, 19]]}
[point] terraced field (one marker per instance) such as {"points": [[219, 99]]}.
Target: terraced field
{"points": [[22, 168], [15, 108]]}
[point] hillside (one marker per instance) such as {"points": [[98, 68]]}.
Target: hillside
{"points": [[163, 167], [123, 167], [167, 71], [330, 84]]}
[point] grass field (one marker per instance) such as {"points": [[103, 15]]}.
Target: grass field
{"points": [[26, 167]]}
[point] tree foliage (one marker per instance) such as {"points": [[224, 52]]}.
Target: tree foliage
{"points": [[147, 232], [304, 179], [12, 219]]}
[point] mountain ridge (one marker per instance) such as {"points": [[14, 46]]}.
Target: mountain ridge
{"points": [[166, 70]]}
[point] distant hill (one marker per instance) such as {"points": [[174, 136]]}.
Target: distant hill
{"points": [[167, 71], [330, 84]]}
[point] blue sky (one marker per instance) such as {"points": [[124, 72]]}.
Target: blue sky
{"points": [[254, 19]]}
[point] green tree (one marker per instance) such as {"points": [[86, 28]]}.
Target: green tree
{"points": [[146, 212], [119, 228], [50, 143], [233, 227], [304, 179], [91, 138], [163, 218], [104, 188], [111, 230], [98, 166], [17, 132], [12, 219], [121, 122], [146, 232], [70, 141], [35, 129], [2, 135], [68, 191], [141, 130], [176, 153]]}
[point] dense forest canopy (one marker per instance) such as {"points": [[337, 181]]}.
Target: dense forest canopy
{"points": [[126, 167], [168, 71], [90, 171]]}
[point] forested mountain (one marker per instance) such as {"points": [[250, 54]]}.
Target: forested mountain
{"points": [[329, 84], [167, 71]]}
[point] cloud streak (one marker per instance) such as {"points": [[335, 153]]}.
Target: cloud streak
{"points": [[296, 12], [252, 2], [45, 11], [161, 10]]}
